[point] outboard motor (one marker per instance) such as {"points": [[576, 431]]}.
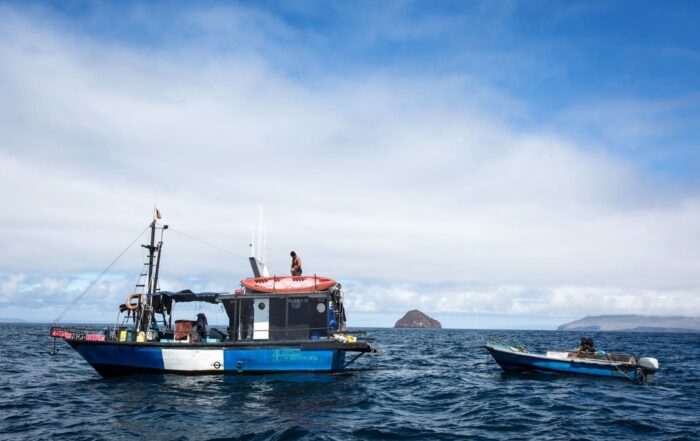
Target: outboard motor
{"points": [[647, 368]]}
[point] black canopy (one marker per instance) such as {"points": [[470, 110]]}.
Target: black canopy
{"points": [[186, 296]]}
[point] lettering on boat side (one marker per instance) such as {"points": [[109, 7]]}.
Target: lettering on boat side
{"points": [[292, 355]]}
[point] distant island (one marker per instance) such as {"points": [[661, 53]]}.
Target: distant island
{"points": [[634, 323], [11, 320], [417, 319]]}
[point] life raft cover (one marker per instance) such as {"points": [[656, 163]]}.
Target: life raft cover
{"points": [[288, 284]]}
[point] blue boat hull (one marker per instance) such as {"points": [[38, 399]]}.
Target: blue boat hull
{"points": [[115, 359], [511, 361]]}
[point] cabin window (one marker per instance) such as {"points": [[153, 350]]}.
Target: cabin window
{"points": [[318, 318], [298, 319], [295, 318], [307, 318], [278, 319]]}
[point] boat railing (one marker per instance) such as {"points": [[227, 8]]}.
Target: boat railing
{"points": [[603, 355], [125, 335], [500, 342], [81, 333]]}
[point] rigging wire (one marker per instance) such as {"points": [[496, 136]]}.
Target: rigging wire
{"points": [[94, 282], [209, 244], [217, 247]]}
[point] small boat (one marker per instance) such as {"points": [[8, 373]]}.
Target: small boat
{"points": [[288, 324], [288, 284], [585, 360]]}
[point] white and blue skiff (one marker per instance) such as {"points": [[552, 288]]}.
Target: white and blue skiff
{"points": [[518, 359]]}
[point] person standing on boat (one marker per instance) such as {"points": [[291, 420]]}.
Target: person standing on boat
{"points": [[296, 264]]}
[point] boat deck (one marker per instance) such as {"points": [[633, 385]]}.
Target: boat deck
{"points": [[89, 337]]}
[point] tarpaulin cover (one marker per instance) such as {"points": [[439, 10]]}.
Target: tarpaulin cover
{"points": [[187, 296]]}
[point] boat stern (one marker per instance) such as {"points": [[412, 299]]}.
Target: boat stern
{"points": [[648, 366]]}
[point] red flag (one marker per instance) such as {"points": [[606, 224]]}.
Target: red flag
{"points": [[157, 213]]}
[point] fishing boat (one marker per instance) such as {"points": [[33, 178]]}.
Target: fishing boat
{"points": [[585, 360], [275, 324]]}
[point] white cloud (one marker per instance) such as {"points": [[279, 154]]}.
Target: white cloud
{"points": [[402, 179], [522, 300]]}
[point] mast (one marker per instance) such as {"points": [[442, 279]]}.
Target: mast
{"points": [[155, 276], [151, 252], [159, 249], [145, 312]]}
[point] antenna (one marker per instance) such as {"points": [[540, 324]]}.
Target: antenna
{"points": [[263, 255], [252, 242], [258, 245], [258, 253]]}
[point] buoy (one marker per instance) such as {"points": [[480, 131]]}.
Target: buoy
{"points": [[132, 306]]}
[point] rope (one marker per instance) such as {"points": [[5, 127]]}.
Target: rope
{"points": [[622, 372], [520, 348], [85, 291]]}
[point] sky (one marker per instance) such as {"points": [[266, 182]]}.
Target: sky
{"points": [[495, 164]]}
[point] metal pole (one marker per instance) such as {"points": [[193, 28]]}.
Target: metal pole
{"points": [[151, 252], [155, 277]]}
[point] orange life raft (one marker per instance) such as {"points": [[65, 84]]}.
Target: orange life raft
{"points": [[288, 284]]}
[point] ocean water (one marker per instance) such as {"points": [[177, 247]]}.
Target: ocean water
{"points": [[424, 384]]}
